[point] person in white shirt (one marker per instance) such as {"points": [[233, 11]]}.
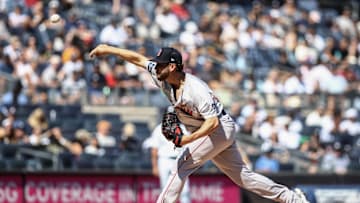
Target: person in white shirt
{"points": [[315, 117], [350, 125], [113, 34], [167, 21], [289, 139], [103, 134], [163, 158]]}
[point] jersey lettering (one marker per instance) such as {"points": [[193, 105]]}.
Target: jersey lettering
{"points": [[151, 66], [216, 103]]}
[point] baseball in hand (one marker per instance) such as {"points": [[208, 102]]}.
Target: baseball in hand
{"points": [[54, 18]]}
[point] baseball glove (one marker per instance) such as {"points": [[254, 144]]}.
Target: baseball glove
{"points": [[171, 128]]}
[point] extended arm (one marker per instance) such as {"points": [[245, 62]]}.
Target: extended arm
{"points": [[206, 128], [125, 54]]}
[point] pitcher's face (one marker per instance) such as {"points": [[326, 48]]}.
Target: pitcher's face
{"points": [[162, 71]]}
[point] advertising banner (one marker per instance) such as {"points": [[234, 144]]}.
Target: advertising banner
{"points": [[11, 189], [213, 189], [108, 188], [204, 189], [76, 189], [332, 193], [148, 189]]}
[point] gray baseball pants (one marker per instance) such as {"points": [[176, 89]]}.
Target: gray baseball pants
{"points": [[220, 147]]}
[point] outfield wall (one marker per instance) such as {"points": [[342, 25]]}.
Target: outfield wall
{"points": [[76, 187], [97, 188]]}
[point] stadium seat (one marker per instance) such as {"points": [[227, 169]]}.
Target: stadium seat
{"points": [[3, 165], [354, 166], [126, 161], [104, 163], [145, 163], [24, 110], [46, 164], [71, 125], [90, 125], [288, 167], [70, 111], [109, 117], [142, 127], [88, 116], [15, 164], [9, 151], [85, 161], [66, 160], [112, 151]]}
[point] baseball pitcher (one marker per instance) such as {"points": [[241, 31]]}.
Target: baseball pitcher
{"points": [[212, 130]]}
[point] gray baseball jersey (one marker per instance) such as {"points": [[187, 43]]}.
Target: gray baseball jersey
{"points": [[197, 103]]}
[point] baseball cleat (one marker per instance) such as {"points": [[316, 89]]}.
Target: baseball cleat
{"points": [[301, 195]]}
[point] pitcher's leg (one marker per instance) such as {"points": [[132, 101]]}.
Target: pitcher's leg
{"points": [[230, 162], [175, 183], [185, 196], [193, 156]]}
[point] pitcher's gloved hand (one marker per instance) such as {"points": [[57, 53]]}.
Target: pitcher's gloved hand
{"points": [[171, 128]]}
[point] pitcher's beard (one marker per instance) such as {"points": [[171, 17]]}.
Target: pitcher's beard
{"points": [[162, 77]]}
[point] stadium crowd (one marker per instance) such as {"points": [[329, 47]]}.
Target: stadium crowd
{"points": [[287, 71]]}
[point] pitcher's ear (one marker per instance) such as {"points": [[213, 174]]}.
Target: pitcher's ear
{"points": [[173, 67]]}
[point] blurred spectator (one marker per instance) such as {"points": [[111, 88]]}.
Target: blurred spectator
{"points": [[145, 29], [293, 84], [72, 88], [267, 129], [163, 16], [13, 49], [76, 146], [271, 83], [266, 163], [41, 97], [88, 143], [315, 117], [129, 139], [97, 82], [37, 16], [314, 151], [15, 96], [14, 132], [330, 126], [191, 37], [30, 50], [94, 148], [25, 70], [38, 120], [39, 137], [288, 138], [85, 35], [335, 160], [350, 125], [49, 77], [103, 136], [75, 64], [345, 22], [113, 34], [17, 20]]}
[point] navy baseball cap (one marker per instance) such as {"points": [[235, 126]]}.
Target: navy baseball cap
{"points": [[168, 55]]}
